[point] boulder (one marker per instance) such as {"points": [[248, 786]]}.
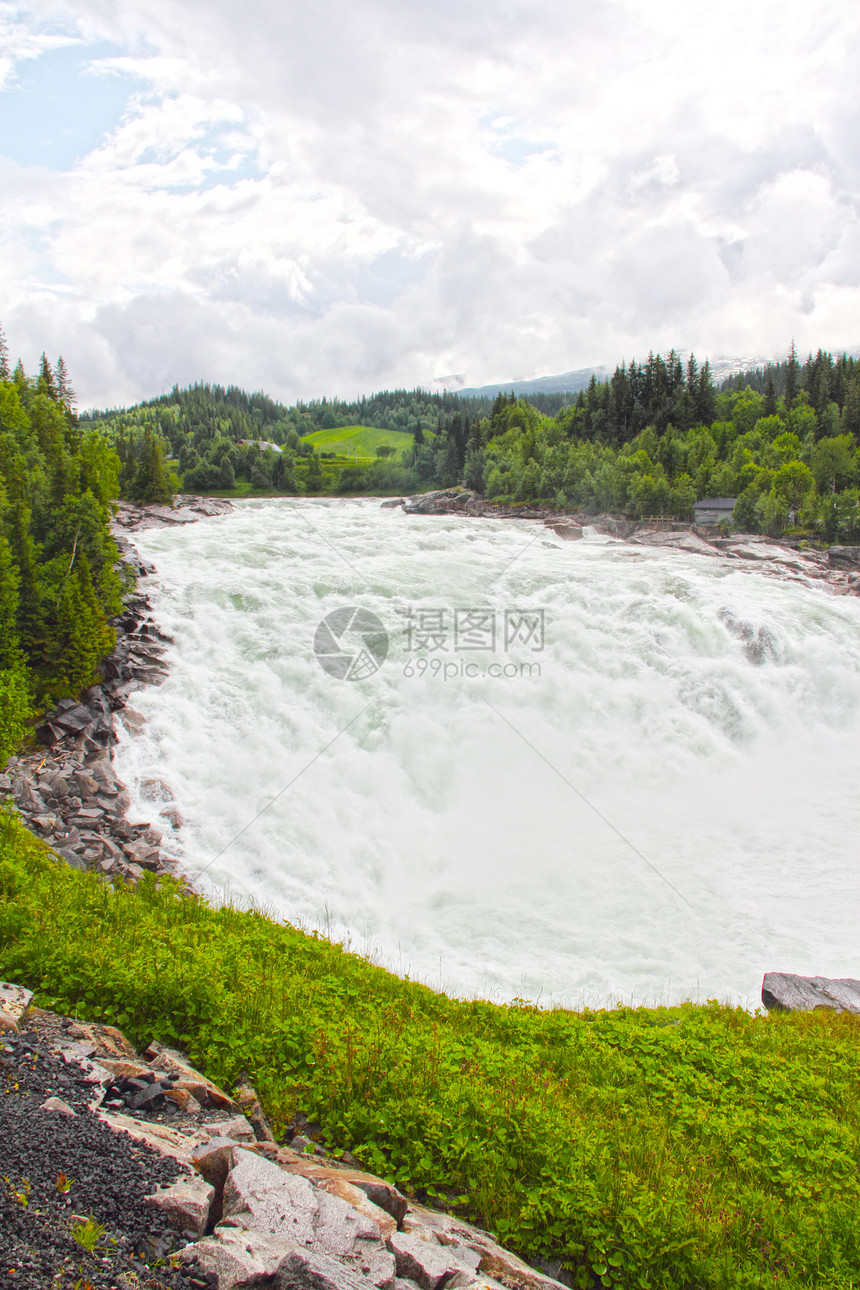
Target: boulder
{"points": [[311, 1270], [246, 1096], [681, 541], [567, 529], [185, 1204], [14, 1003], [236, 1128], [336, 1183], [494, 1263], [844, 557], [429, 1264], [108, 1041], [260, 1195], [163, 1138], [383, 1195], [238, 1258], [784, 992]]}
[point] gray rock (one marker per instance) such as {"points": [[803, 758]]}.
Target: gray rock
{"points": [[311, 1270], [784, 992], [214, 1160], [566, 529], [844, 557], [185, 1204], [14, 1000], [260, 1195], [238, 1129], [428, 1263], [682, 541], [238, 1258], [495, 1263]]}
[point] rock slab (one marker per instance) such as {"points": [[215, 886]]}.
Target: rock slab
{"points": [[784, 992]]}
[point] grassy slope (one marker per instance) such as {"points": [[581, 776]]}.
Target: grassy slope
{"points": [[688, 1147], [358, 441]]}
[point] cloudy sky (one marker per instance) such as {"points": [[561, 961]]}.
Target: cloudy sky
{"points": [[333, 198]]}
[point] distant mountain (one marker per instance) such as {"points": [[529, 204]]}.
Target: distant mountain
{"points": [[573, 382], [567, 382]]}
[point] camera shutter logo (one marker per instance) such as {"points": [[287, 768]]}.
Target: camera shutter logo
{"points": [[351, 644]]}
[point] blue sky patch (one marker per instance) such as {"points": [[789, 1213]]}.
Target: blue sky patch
{"points": [[59, 108]]}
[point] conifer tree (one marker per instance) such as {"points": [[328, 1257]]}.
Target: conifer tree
{"points": [[792, 376], [5, 370], [65, 393], [46, 382]]}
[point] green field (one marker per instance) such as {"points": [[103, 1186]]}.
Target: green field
{"points": [[359, 443]]}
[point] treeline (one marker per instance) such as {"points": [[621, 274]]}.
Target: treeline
{"points": [[218, 436], [58, 581], [651, 440]]}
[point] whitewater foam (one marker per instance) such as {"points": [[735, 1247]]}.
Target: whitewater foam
{"points": [[710, 715]]}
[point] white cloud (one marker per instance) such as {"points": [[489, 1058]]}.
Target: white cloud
{"points": [[331, 198]]}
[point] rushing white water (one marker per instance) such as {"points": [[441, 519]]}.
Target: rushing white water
{"points": [[668, 810]]}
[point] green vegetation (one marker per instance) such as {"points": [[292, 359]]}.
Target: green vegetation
{"points": [[650, 441], [58, 583], [227, 441], [361, 443], [692, 1147], [654, 439]]}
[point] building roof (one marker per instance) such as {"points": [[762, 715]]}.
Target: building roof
{"points": [[717, 503]]}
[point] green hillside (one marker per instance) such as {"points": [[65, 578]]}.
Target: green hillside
{"points": [[358, 442], [685, 1148]]}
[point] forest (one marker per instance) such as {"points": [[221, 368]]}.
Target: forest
{"points": [[59, 586], [648, 442]]}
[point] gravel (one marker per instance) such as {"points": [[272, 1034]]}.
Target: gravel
{"points": [[109, 1173]]}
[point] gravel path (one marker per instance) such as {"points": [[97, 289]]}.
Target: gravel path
{"points": [[57, 1171]]}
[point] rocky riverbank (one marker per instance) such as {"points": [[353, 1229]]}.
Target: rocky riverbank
{"points": [[65, 789], [183, 1185], [787, 558]]}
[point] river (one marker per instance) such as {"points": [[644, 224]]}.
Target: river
{"points": [[573, 772]]}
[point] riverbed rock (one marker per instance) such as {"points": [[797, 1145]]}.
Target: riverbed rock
{"points": [[444, 501], [844, 557], [784, 992], [685, 540], [569, 530]]}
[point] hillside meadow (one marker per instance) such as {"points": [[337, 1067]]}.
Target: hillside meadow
{"points": [[670, 1148]]}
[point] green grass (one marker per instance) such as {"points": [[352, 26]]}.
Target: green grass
{"points": [[358, 442], [688, 1148]]}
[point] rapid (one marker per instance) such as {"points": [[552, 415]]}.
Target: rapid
{"points": [[568, 772]]}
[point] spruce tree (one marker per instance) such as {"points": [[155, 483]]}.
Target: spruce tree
{"points": [[792, 378], [5, 370], [46, 382], [65, 393]]}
